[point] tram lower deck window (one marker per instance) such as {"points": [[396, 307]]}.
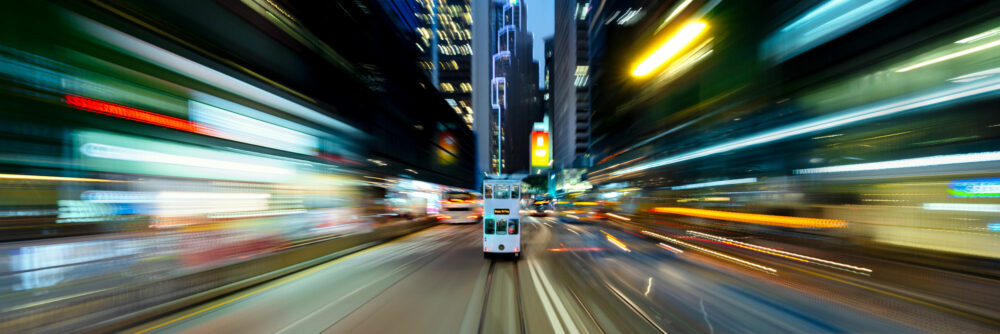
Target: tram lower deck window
{"points": [[513, 226], [501, 227], [489, 226]]}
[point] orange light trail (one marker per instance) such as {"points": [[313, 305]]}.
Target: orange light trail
{"points": [[753, 218], [586, 249], [616, 242]]}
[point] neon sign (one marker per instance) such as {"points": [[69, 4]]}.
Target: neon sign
{"points": [[974, 188]]}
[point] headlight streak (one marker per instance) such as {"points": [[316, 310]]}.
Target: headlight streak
{"points": [[785, 254], [617, 216], [748, 264], [827, 122], [615, 241], [669, 248]]}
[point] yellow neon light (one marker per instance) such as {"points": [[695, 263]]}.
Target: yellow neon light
{"points": [[669, 49], [753, 218]]}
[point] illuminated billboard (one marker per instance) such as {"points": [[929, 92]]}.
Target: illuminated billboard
{"points": [[540, 155]]}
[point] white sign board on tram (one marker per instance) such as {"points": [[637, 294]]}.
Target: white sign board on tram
{"points": [[501, 217]]}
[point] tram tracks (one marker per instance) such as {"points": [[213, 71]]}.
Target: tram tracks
{"points": [[494, 290]]}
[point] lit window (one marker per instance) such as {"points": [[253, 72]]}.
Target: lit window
{"points": [[447, 87]]}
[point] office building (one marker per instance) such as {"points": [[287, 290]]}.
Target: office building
{"points": [[570, 84]]}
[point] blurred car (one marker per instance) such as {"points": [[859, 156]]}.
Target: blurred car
{"points": [[541, 208], [460, 207]]}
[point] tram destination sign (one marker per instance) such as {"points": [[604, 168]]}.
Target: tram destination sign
{"points": [[501, 211]]}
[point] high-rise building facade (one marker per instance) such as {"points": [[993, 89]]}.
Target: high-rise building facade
{"points": [[513, 89], [443, 30], [570, 84]]}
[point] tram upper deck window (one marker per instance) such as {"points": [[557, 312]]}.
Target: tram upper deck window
{"points": [[489, 226], [488, 191], [502, 191], [515, 191]]}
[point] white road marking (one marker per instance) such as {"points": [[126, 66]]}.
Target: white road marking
{"points": [[556, 328], [649, 286], [570, 325]]}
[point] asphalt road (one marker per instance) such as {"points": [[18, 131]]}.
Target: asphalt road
{"points": [[572, 278]]}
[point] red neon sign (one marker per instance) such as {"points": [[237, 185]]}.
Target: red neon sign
{"points": [[120, 111]]}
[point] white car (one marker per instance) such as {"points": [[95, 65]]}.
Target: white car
{"points": [[460, 207]]}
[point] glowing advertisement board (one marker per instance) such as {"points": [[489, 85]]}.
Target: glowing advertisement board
{"points": [[540, 154]]}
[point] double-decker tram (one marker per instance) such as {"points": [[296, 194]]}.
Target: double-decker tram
{"points": [[501, 219]]}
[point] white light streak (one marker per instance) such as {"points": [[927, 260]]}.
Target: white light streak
{"points": [[714, 253], [617, 216], [715, 183], [979, 36], [936, 160], [131, 154], [674, 13], [768, 249], [950, 56], [962, 207], [976, 76], [669, 248], [827, 122]]}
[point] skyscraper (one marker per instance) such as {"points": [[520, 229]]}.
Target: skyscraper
{"points": [[570, 80], [513, 90], [443, 30]]}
